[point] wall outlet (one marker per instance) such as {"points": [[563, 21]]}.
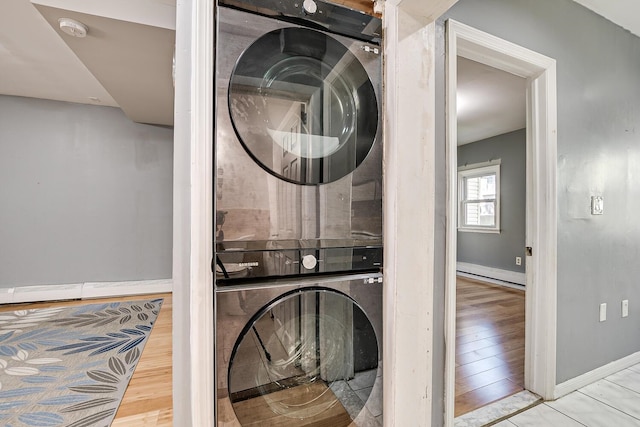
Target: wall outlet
{"points": [[518, 260], [625, 307], [603, 311]]}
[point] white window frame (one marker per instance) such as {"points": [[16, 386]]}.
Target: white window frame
{"points": [[473, 171]]}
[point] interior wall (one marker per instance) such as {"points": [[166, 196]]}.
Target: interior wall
{"points": [[498, 250], [86, 195], [598, 117]]}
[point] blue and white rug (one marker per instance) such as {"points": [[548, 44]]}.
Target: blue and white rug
{"points": [[70, 366]]}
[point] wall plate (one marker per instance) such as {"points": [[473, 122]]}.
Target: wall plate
{"points": [[597, 205]]}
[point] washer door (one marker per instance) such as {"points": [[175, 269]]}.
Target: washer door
{"points": [[303, 106], [308, 358]]}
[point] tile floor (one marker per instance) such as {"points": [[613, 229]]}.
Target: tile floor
{"points": [[362, 402], [611, 402], [488, 414]]}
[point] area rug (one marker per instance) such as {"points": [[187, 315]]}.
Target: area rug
{"points": [[70, 366]]}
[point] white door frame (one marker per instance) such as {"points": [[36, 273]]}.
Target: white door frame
{"points": [[541, 206], [193, 331]]}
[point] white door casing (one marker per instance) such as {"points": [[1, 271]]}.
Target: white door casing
{"points": [[541, 208], [193, 357], [409, 49]]}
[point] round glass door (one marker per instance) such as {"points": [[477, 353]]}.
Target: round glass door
{"points": [[303, 106], [308, 358]]}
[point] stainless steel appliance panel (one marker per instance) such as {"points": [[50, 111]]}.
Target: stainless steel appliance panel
{"points": [[258, 205], [246, 264], [299, 351]]}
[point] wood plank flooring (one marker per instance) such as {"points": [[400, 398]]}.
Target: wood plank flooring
{"points": [[317, 407], [489, 354], [489, 344], [148, 399]]}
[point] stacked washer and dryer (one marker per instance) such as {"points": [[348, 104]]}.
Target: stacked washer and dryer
{"points": [[298, 199]]}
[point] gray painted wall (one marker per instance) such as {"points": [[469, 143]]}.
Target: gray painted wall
{"points": [[598, 64], [86, 194], [491, 249]]}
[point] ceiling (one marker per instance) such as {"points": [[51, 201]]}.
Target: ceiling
{"points": [[489, 101], [125, 60], [625, 13], [492, 102]]}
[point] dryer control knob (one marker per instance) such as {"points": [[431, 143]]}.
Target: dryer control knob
{"points": [[309, 262], [310, 6]]}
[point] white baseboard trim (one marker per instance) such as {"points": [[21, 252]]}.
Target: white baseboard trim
{"points": [[498, 274], [86, 290], [490, 280], [597, 374]]}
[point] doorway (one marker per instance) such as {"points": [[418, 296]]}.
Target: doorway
{"points": [[490, 284], [540, 205]]}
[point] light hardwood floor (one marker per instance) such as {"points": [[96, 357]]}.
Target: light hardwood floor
{"points": [[316, 403], [489, 354], [148, 399], [489, 344]]}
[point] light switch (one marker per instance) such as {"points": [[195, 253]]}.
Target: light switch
{"points": [[597, 205], [603, 311]]}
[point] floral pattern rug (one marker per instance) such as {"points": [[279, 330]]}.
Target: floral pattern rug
{"points": [[70, 366]]}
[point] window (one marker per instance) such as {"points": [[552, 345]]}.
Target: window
{"points": [[479, 197]]}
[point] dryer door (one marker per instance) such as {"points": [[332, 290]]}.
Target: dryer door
{"points": [[303, 106], [311, 356]]}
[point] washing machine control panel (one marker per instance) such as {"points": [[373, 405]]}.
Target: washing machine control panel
{"points": [[309, 262], [310, 7], [231, 265]]}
